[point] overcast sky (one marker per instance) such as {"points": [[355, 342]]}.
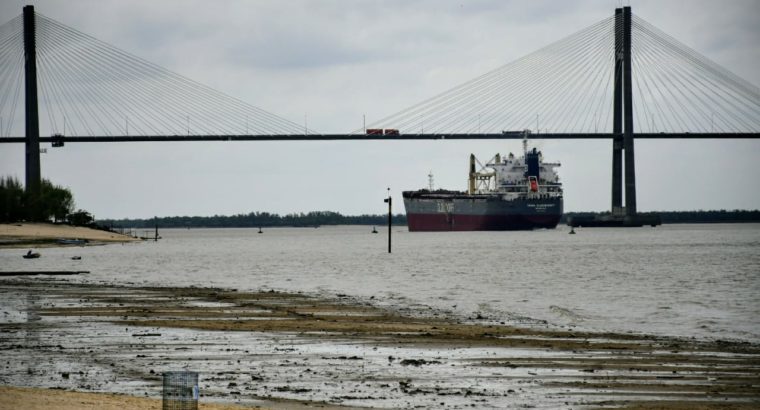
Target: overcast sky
{"points": [[335, 61]]}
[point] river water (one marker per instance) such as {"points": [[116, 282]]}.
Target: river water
{"points": [[698, 281]]}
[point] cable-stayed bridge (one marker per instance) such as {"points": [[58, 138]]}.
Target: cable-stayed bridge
{"points": [[616, 76]]}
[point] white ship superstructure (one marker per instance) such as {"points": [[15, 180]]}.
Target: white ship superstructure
{"points": [[514, 177]]}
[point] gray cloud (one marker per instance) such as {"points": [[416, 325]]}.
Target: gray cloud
{"points": [[335, 61]]}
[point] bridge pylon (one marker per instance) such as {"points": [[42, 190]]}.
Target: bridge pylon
{"points": [[622, 138], [622, 144], [623, 160], [617, 119], [33, 178]]}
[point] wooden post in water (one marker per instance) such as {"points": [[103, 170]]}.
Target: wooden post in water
{"points": [[389, 200], [155, 239]]}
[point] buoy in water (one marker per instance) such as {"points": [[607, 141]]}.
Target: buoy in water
{"points": [[374, 229], [572, 231], [260, 230]]}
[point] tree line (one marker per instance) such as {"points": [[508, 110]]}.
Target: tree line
{"points": [[54, 204], [700, 216], [256, 219], [318, 218]]}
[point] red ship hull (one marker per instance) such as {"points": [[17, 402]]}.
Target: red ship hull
{"points": [[452, 222]]}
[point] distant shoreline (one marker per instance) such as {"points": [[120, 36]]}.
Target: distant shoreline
{"points": [[689, 217], [328, 218]]}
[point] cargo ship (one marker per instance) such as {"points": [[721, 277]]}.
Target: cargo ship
{"points": [[509, 193]]}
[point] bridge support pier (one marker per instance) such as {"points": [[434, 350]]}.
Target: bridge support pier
{"points": [[617, 177], [33, 174]]}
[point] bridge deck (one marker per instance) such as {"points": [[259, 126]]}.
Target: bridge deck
{"points": [[370, 137]]}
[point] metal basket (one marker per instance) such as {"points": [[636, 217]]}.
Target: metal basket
{"points": [[180, 391]]}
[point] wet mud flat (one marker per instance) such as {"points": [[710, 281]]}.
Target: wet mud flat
{"points": [[293, 350]]}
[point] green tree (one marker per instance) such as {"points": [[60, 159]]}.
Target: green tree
{"points": [[12, 200], [81, 218], [56, 202]]}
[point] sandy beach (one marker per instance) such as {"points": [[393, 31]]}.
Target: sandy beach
{"points": [[290, 350], [42, 399], [44, 235]]}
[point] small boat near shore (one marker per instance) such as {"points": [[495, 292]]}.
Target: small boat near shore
{"points": [[66, 241], [31, 255]]}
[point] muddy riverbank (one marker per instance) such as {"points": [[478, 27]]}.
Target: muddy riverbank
{"points": [[273, 348]]}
